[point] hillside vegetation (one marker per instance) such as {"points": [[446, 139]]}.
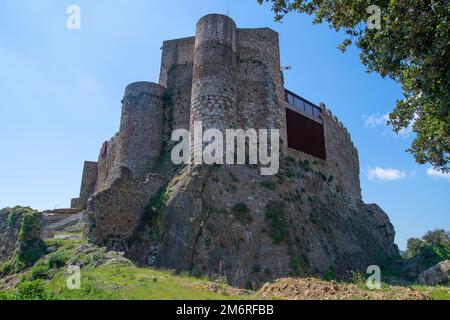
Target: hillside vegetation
{"points": [[107, 275]]}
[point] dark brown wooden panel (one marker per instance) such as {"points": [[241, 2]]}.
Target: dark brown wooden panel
{"points": [[305, 134]]}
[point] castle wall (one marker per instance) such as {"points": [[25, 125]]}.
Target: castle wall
{"points": [[259, 81], [342, 163], [226, 78], [342, 156], [176, 76], [107, 163], [141, 128], [88, 183]]}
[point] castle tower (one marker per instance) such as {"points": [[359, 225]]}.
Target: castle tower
{"points": [[214, 94], [88, 183], [141, 128]]}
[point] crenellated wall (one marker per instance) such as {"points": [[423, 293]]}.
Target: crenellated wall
{"points": [[342, 161], [342, 156]]}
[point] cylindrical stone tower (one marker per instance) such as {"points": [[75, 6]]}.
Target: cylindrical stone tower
{"points": [[141, 128], [214, 91]]}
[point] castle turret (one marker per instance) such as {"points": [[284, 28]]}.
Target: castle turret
{"points": [[141, 128], [214, 97]]}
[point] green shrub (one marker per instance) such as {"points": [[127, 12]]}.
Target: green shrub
{"points": [[329, 276], [39, 272], [31, 247], [151, 219], [12, 218], [277, 221], [256, 269], [5, 268], [269, 184], [29, 252], [294, 264], [32, 290], [57, 259], [241, 213], [358, 278], [4, 295], [305, 165]]}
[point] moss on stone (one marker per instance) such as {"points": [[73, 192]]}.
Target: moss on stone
{"points": [[151, 218], [30, 247], [277, 221]]}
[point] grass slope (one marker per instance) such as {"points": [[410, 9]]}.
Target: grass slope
{"points": [[120, 280]]}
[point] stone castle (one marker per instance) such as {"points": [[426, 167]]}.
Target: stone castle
{"points": [[227, 219]]}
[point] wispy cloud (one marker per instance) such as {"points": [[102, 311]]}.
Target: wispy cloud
{"points": [[378, 119], [375, 120], [438, 174], [386, 174]]}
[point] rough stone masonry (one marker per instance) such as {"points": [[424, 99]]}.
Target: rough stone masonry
{"points": [[228, 220]]}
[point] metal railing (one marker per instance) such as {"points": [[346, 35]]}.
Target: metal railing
{"points": [[304, 106]]}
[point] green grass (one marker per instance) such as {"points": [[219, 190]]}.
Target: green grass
{"points": [[132, 283], [47, 278], [436, 293]]}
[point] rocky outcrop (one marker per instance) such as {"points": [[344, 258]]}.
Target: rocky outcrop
{"points": [[436, 275], [89, 255], [231, 220], [20, 230]]}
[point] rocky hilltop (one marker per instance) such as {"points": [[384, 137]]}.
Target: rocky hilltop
{"points": [[308, 219]]}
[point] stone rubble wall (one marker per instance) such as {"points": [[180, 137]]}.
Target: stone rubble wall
{"points": [[107, 163], [113, 214]]}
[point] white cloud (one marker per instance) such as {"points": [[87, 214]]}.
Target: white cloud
{"points": [[376, 120], [437, 174], [387, 174]]}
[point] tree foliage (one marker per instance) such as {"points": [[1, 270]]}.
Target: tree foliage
{"points": [[412, 48], [436, 242]]}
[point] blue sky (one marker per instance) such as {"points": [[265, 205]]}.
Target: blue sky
{"points": [[61, 91]]}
